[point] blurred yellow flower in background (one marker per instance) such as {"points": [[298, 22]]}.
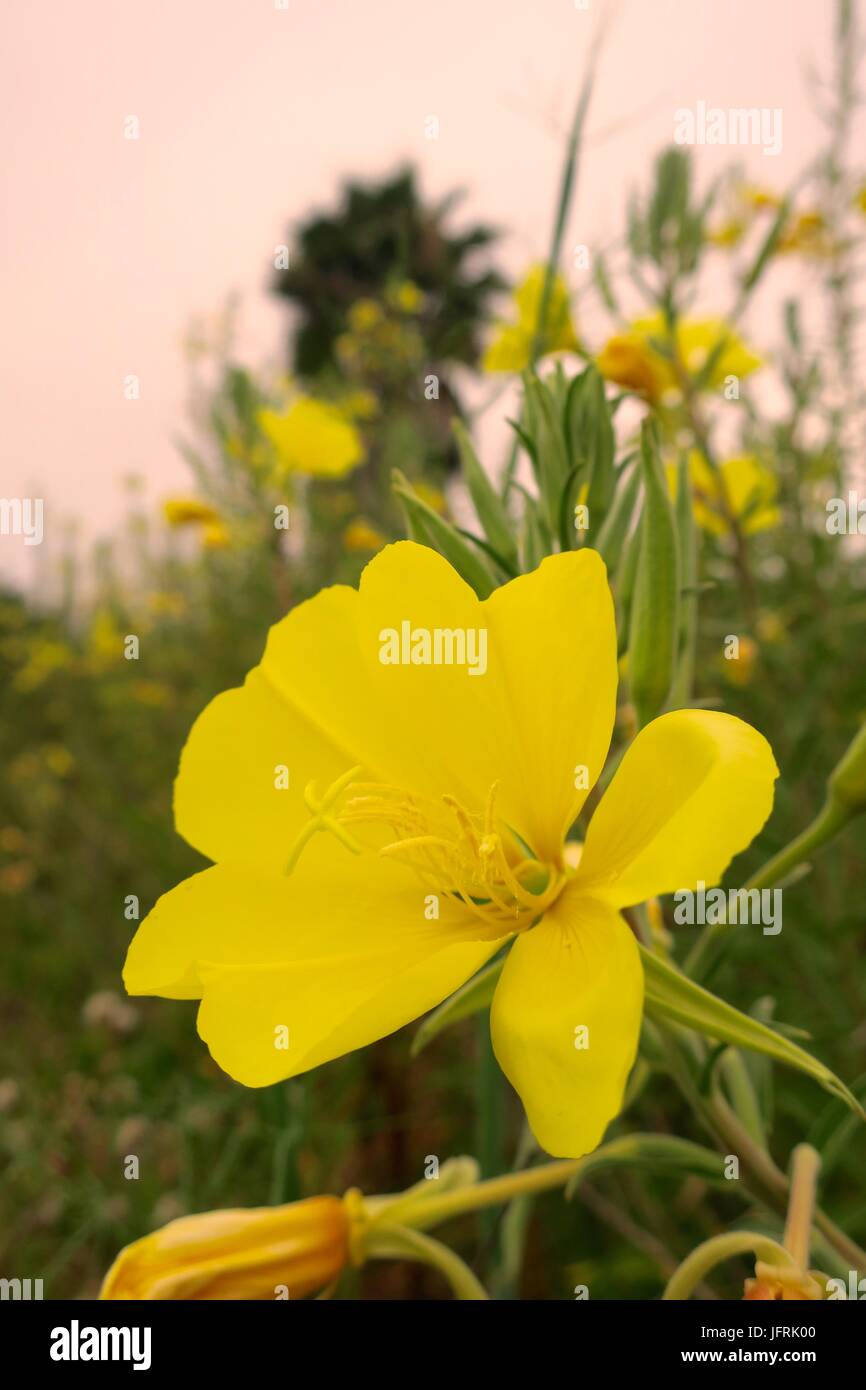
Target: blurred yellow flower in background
{"points": [[760, 199], [433, 496], [252, 1253], [808, 235], [188, 511], [58, 759], [152, 693], [361, 536], [166, 603], [644, 357], [215, 535], [360, 405], [746, 489], [729, 233], [626, 360], [312, 437], [104, 641], [364, 315], [860, 200], [511, 349], [45, 657], [405, 296], [739, 669]]}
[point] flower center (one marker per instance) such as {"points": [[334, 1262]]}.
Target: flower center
{"points": [[475, 858]]}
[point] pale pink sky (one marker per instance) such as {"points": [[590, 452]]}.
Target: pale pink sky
{"points": [[249, 114]]}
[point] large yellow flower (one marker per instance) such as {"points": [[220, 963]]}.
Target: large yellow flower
{"points": [[643, 357], [511, 349], [442, 793]]}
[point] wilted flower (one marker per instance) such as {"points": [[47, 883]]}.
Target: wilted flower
{"points": [[511, 349], [448, 799]]}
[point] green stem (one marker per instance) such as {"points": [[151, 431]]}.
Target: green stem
{"points": [[563, 207], [491, 1108], [713, 1252], [493, 1192], [399, 1242], [825, 825]]}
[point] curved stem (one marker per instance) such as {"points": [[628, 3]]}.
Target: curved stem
{"points": [[713, 1252]]}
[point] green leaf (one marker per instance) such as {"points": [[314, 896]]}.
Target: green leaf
{"points": [[491, 510], [670, 200], [603, 285], [613, 533], [654, 623], [510, 571], [766, 249], [469, 999], [660, 1152], [533, 541], [383, 1241], [671, 995], [687, 538], [589, 435], [442, 536], [544, 426]]}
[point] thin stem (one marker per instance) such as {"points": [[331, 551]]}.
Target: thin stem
{"points": [[544, 1178], [713, 1252], [825, 825]]}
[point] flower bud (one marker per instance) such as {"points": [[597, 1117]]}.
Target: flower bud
{"points": [[246, 1253]]}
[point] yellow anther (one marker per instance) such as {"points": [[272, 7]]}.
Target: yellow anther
{"points": [[321, 820], [468, 856]]}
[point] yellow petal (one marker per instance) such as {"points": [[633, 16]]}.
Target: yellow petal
{"points": [[692, 791], [542, 707], [751, 488], [293, 970], [244, 1254], [231, 800], [565, 1021], [313, 437], [509, 351]]}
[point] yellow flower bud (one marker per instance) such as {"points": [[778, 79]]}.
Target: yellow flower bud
{"points": [[247, 1253]]}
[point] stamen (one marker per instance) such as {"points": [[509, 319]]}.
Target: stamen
{"points": [[477, 860]]}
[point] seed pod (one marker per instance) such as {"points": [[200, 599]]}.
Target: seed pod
{"points": [[655, 606]]}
